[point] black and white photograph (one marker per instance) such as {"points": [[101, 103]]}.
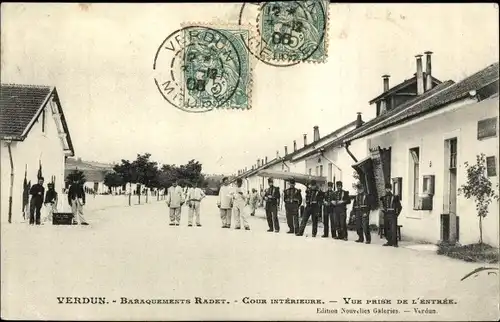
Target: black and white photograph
{"points": [[249, 161]]}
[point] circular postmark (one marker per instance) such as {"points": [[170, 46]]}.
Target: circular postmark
{"points": [[288, 32], [197, 69]]}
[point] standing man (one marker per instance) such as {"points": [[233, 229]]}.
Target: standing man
{"points": [[254, 201], [328, 218], [293, 199], [340, 202], [194, 197], [361, 206], [272, 198], [314, 200], [391, 208], [76, 199], [239, 203], [175, 200], [50, 202], [225, 203], [188, 190], [37, 192]]}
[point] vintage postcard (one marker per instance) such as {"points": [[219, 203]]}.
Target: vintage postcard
{"points": [[260, 161]]}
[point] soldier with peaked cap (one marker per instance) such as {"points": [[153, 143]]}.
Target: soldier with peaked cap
{"points": [[361, 207], [391, 208], [314, 200], [340, 201], [272, 197], [293, 200], [328, 218]]}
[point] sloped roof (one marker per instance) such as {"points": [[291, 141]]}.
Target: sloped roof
{"points": [[436, 98], [20, 107], [291, 155], [401, 86]]}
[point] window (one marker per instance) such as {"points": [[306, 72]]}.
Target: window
{"points": [[43, 121], [487, 128], [397, 186], [330, 171], [453, 153], [491, 168], [321, 170], [317, 170], [415, 173], [310, 171]]}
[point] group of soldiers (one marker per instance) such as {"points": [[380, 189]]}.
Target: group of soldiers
{"points": [[332, 204], [177, 197], [76, 199]]}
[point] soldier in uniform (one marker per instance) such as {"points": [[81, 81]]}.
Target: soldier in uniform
{"points": [[361, 208], [391, 208], [328, 220], [340, 201], [314, 200], [272, 197], [293, 200]]}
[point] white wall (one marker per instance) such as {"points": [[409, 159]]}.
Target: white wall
{"points": [[46, 147], [429, 135], [344, 171]]}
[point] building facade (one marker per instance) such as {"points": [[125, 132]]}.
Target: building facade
{"points": [[34, 138], [422, 151]]}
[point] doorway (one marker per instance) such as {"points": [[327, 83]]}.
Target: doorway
{"points": [[449, 227]]}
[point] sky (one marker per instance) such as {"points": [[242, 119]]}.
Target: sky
{"points": [[100, 56]]}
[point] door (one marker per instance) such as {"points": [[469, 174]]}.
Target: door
{"points": [[452, 189]]}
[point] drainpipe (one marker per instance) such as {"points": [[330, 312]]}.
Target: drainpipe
{"points": [[322, 152], [346, 146], [286, 165], [11, 180]]}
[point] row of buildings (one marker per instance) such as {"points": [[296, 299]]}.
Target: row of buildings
{"points": [[424, 131]]}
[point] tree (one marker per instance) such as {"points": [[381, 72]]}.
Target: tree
{"points": [[76, 175], [128, 174], [145, 171], [113, 179], [479, 188]]}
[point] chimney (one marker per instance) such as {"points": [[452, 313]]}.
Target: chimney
{"points": [[286, 150], [253, 167], [266, 160], [245, 169], [258, 163], [316, 133], [305, 139], [428, 70], [359, 120], [420, 75], [277, 154], [294, 145], [383, 103], [386, 82]]}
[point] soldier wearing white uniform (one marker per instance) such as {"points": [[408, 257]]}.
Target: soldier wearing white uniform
{"points": [[188, 190], [240, 200], [175, 200], [194, 197], [225, 203]]}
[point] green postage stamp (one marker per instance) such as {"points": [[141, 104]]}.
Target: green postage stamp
{"points": [[202, 67]]}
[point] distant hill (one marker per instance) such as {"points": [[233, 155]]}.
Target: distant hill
{"points": [[93, 171]]}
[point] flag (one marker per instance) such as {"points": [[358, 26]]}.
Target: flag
{"points": [[39, 175], [26, 189]]}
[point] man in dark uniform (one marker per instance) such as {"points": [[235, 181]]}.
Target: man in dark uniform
{"points": [[272, 197], [361, 207], [293, 199], [37, 193], [340, 201], [76, 199], [50, 202], [328, 218], [391, 208], [314, 200]]}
